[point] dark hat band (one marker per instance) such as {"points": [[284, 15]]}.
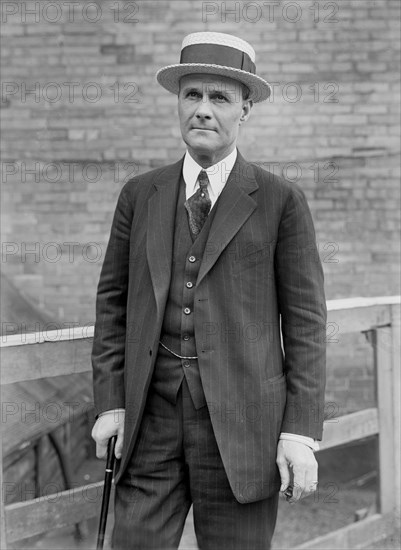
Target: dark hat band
{"points": [[216, 54]]}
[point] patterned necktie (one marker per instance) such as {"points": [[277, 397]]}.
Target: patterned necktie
{"points": [[198, 206]]}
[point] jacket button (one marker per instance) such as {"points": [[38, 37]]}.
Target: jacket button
{"points": [[192, 259], [187, 311], [189, 284]]}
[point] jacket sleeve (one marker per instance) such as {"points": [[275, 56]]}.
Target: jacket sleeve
{"points": [[302, 305], [108, 351]]}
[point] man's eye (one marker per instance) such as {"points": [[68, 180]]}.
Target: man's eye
{"points": [[193, 94], [221, 97]]}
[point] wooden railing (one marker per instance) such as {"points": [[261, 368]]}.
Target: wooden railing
{"points": [[32, 356]]}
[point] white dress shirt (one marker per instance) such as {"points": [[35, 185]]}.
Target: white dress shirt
{"points": [[218, 175]]}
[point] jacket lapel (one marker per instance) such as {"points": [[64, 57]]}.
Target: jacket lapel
{"points": [[233, 209], [160, 231]]}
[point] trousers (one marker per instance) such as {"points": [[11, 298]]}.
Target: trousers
{"points": [[176, 463]]}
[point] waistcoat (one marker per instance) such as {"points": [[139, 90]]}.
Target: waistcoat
{"points": [[178, 332]]}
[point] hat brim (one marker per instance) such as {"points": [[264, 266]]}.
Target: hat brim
{"points": [[169, 77]]}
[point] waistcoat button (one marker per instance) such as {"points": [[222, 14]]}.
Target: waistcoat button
{"points": [[192, 259], [187, 311], [189, 284]]}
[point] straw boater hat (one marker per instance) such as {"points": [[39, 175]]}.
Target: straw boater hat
{"points": [[219, 54]]}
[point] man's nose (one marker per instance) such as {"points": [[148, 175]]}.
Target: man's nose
{"points": [[204, 110]]}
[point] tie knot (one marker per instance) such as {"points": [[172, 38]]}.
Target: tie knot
{"points": [[203, 180]]}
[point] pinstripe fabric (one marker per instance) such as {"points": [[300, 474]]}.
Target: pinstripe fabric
{"points": [[260, 267], [176, 461]]}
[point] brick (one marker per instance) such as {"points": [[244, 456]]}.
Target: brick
{"points": [[352, 119], [375, 109]]}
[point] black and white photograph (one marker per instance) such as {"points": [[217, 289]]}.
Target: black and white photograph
{"points": [[200, 275]]}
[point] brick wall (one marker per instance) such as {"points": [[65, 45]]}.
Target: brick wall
{"points": [[81, 112]]}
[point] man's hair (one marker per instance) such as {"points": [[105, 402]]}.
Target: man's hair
{"points": [[245, 92]]}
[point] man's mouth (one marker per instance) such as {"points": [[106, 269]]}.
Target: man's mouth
{"points": [[205, 129]]}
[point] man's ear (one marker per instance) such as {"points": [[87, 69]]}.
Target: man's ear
{"points": [[246, 110]]}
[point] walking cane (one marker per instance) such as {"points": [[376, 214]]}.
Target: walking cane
{"points": [[108, 476]]}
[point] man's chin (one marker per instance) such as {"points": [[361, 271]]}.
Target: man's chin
{"points": [[202, 146]]}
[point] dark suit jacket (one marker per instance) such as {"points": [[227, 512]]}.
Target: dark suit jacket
{"points": [[260, 271]]}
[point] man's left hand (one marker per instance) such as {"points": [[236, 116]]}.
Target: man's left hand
{"points": [[298, 467]]}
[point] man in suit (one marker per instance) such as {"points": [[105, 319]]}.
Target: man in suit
{"points": [[209, 346]]}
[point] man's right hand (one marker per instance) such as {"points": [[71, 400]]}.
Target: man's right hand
{"points": [[108, 424]]}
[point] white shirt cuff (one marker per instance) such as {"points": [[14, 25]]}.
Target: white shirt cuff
{"points": [[312, 443], [111, 411]]}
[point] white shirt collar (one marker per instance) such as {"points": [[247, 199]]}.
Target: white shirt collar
{"points": [[217, 174]]}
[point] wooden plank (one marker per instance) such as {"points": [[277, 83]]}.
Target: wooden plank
{"points": [[356, 320], [58, 352], [384, 387], [363, 301], [349, 427], [356, 535], [33, 517], [29, 362], [396, 360], [47, 334], [59, 334]]}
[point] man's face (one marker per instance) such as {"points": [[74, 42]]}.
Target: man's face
{"points": [[211, 109]]}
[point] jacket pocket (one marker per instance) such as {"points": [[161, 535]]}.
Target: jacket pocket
{"points": [[274, 379]]}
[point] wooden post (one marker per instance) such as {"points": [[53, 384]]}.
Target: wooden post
{"points": [[385, 405], [395, 355], [3, 540]]}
